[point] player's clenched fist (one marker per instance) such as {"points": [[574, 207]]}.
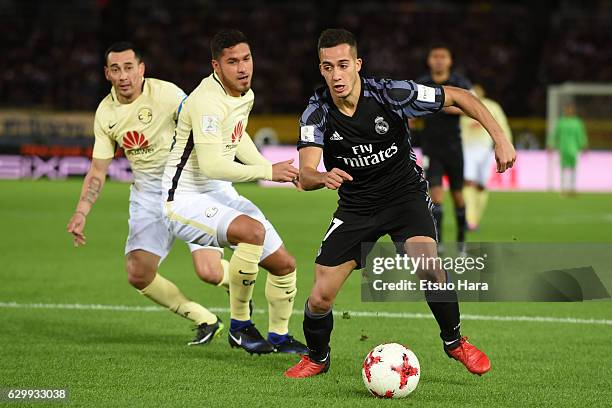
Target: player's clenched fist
{"points": [[284, 171], [505, 155], [334, 178], [76, 225]]}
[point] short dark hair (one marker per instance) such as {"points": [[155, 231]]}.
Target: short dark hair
{"points": [[336, 36], [225, 39], [122, 46], [440, 46]]}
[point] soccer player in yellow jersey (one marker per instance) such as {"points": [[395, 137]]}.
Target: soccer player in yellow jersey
{"points": [[202, 206], [140, 115], [479, 158]]}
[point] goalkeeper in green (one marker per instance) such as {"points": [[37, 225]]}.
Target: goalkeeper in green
{"points": [[569, 138]]}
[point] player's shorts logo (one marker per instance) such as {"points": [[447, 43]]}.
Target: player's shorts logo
{"points": [[145, 115], [380, 125], [136, 143], [211, 212]]}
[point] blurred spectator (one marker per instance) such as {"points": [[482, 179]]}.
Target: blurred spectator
{"points": [[52, 51]]}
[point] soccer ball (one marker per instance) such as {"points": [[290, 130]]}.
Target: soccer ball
{"points": [[391, 371]]}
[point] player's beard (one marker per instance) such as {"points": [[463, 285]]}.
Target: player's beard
{"points": [[235, 85], [243, 88]]}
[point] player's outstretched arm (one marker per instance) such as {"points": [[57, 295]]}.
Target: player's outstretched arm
{"points": [[468, 103], [311, 178], [214, 165], [247, 152], [452, 110], [92, 185]]}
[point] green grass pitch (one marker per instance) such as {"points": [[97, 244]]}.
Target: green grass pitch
{"points": [[133, 358]]}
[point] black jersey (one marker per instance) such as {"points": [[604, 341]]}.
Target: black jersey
{"points": [[373, 145], [441, 131]]}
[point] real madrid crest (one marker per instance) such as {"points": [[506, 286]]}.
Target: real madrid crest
{"points": [[380, 125], [145, 115]]}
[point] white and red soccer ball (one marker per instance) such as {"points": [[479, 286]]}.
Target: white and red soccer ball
{"points": [[391, 371]]}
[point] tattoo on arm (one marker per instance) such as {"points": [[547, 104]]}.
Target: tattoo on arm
{"points": [[93, 190]]}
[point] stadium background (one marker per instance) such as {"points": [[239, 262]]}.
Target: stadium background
{"points": [[53, 51], [68, 317]]}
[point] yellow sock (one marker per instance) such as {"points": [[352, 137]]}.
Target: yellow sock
{"points": [[165, 293], [482, 197], [243, 269], [225, 280], [471, 210], [280, 292]]}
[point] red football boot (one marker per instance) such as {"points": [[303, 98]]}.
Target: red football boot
{"points": [[307, 368], [473, 359]]}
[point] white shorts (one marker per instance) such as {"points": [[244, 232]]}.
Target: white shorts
{"points": [[204, 218], [147, 229], [478, 161]]}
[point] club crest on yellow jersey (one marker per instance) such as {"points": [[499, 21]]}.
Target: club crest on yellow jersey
{"points": [[145, 115]]}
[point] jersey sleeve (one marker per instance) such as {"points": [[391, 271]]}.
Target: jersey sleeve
{"points": [[214, 166], [174, 97], [206, 119], [312, 126], [247, 152], [104, 145], [413, 99]]}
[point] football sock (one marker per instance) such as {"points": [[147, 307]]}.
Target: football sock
{"points": [[165, 293], [243, 269], [239, 324], [280, 292], [317, 331], [461, 225], [444, 305], [482, 197], [437, 214], [471, 205], [225, 279], [276, 339], [566, 179]]}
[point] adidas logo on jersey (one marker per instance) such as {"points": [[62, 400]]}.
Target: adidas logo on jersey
{"points": [[136, 143], [336, 136]]}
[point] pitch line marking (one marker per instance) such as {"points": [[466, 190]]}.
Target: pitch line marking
{"points": [[355, 313]]}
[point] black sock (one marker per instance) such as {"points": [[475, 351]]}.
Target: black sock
{"points": [[461, 224], [317, 331], [437, 214], [445, 307]]}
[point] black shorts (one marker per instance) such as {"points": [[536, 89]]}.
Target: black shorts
{"points": [[449, 163], [348, 230]]}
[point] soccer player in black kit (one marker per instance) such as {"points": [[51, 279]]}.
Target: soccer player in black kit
{"points": [[359, 126], [441, 143]]}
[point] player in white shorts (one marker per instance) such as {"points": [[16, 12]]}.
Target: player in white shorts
{"points": [[478, 158], [140, 116], [201, 205]]}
